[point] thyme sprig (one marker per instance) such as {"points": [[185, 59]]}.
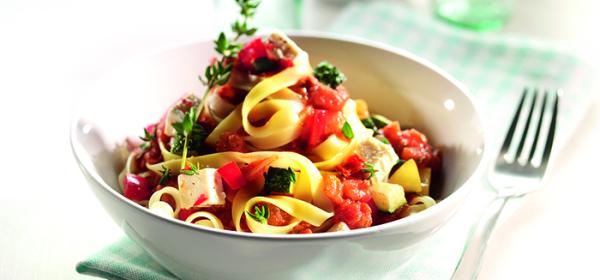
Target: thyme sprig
{"points": [[147, 138], [184, 128], [260, 214], [219, 72], [165, 175]]}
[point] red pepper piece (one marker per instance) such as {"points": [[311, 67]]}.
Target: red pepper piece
{"points": [[232, 175]]}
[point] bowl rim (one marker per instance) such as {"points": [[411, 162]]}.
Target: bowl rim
{"points": [[394, 225]]}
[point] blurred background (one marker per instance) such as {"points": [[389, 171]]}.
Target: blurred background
{"points": [[50, 51]]}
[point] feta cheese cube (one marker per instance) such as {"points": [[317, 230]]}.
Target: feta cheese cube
{"points": [[203, 189]]}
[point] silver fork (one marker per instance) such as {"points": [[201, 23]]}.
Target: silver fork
{"points": [[512, 175]]}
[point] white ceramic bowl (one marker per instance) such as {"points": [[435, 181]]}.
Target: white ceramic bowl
{"points": [[394, 83]]}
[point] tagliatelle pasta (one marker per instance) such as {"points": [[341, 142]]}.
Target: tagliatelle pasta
{"points": [[162, 207], [283, 125], [206, 219], [302, 211], [280, 148]]}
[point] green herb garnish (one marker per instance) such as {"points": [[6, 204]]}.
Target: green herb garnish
{"points": [[328, 74], [247, 10], [192, 171], [219, 72], [369, 168], [147, 138], [347, 130], [260, 214], [185, 129], [195, 138], [165, 175], [279, 180]]}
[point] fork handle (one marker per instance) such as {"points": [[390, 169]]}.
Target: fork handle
{"points": [[470, 261]]}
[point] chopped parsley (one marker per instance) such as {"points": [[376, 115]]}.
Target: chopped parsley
{"points": [[347, 130], [261, 214], [191, 169], [328, 74], [148, 138], [369, 168]]}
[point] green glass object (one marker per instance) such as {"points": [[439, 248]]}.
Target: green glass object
{"points": [[474, 14]]}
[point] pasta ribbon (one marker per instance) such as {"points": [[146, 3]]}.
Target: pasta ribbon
{"points": [[307, 186], [283, 125], [300, 210], [210, 220], [329, 148], [231, 123], [163, 208]]}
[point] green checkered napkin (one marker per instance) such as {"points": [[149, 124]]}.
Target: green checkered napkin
{"points": [[495, 69]]}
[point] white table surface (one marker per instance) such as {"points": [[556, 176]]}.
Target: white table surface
{"points": [[50, 51]]}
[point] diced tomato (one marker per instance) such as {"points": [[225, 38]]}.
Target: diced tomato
{"points": [[332, 187], [324, 97], [231, 142], [353, 167], [305, 231], [301, 228], [413, 138], [136, 187], [413, 145], [356, 190], [334, 120], [232, 175], [355, 214], [278, 217], [255, 170], [306, 85], [392, 132], [315, 127], [250, 52], [409, 144], [320, 124]]}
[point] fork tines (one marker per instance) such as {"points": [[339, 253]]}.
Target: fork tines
{"points": [[525, 144]]}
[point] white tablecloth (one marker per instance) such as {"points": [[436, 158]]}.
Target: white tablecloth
{"points": [[50, 51]]}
